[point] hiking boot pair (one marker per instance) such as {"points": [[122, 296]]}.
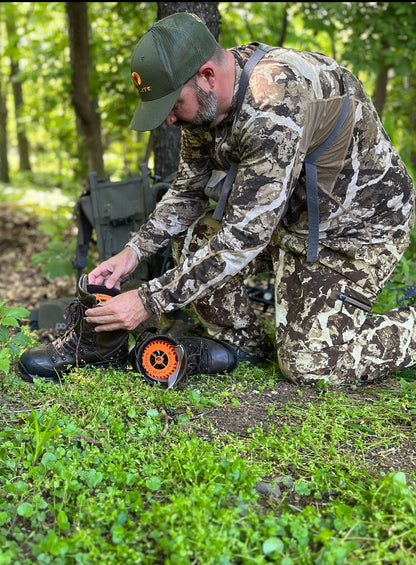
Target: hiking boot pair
{"points": [[159, 359]]}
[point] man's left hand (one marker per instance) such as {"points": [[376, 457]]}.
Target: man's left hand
{"points": [[123, 312]]}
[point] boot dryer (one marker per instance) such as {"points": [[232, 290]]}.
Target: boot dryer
{"points": [[166, 360]]}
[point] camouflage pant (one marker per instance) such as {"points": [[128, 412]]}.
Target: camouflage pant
{"points": [[318, 336]]}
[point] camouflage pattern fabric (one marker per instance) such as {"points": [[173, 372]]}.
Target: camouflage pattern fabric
{"points": [[318, 336], [321, 337], [366, 204], [227, 312]]}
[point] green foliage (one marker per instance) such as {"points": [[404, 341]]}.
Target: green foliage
{"points": [[40, 437], [55, 259], [11, 342], [98, 474], [93, 474], [363, 36]]}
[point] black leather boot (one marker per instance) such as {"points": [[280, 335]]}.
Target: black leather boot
{"points": [[166, 360], [80, 345]]}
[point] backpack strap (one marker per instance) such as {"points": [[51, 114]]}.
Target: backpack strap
{"points": [[232, 172], [85, 230], [312, 180], [84, 217]]}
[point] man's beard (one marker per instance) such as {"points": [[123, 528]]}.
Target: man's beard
{"points": [[206, 113]]}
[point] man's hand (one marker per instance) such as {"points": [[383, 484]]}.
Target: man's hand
{"points": [[115, 269], [123, 312]]}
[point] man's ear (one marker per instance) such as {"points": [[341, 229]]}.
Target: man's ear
{"points": [[208, 74]]}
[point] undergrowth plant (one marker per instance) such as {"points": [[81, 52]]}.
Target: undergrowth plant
{"points": [[11, 342], [55, 259], [41, 437]]}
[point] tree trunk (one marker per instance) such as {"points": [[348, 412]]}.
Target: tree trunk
{"points": [[4, 161], [283, 31], [411, 122], [167, 140], [22, 141], [88, 119], [380, 92]]}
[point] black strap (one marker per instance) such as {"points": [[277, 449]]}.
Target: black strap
{"points": [[258, 54], [312, 181], [85, 230], [225, 191], [228, 181]]}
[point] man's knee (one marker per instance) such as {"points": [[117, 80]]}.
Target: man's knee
{"points": [[302, 366], [296, 370]]}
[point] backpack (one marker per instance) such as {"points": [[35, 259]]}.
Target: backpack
{"points": [[50, 314], [113, 210], [107, 213]]}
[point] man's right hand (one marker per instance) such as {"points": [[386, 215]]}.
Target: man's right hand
{"points": [[112, 271]]}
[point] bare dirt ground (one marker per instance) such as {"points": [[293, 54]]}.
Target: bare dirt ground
{"points": [[22, 284]]}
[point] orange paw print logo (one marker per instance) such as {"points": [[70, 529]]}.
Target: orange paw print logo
{"points": [[102, 298]]}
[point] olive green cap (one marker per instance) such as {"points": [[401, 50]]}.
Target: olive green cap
{"points": [[166, 57]]}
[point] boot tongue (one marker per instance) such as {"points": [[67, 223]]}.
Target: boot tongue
{"points": [[102, 293]]}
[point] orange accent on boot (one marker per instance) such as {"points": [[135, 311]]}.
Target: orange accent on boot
{"points": [[102, 298], [159, 359]]}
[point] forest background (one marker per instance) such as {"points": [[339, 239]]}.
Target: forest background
{"points": [[240, 469], [66, 97]]}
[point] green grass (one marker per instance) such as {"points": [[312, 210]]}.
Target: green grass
{"points": [[105, 469]]}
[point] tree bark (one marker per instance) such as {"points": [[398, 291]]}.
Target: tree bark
{"points": [[411, 122], [22, 140], [4, 161], [167, 140], [380, 93], [85, 106]]}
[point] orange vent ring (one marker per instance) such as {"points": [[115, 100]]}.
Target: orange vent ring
{"points": [[159, 359]]}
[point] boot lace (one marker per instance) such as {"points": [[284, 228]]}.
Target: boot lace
{"points": [[74, 314], [197, 358]]}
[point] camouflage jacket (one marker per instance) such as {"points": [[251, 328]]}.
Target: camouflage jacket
{"points": [[292, 103]]}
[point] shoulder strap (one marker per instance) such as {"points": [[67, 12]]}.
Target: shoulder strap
{"points": [[258, 54], [312, 180]]}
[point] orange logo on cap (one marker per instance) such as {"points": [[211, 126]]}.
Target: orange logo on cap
{"points": [[137, 81], [135, 77]]}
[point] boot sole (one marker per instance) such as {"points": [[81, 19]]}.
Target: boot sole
{"points": [[31, 378]]}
